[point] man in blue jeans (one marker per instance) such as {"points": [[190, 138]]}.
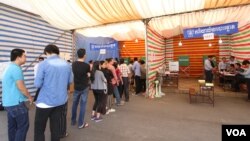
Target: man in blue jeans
{"points": [[14, 95], [81, 71]]}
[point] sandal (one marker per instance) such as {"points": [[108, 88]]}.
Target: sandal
{"points": [[84, 125], [65, 135]]}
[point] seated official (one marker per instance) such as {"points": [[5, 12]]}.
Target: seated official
{"points": [[246, 75], [223, 64], [231, 69], [239, 79]]}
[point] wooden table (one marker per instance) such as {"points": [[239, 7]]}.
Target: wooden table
{"points": [[171, 79], [226, 78]]}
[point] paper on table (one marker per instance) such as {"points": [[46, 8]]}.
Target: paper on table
{"points": [[201, 81], [209, 84]]}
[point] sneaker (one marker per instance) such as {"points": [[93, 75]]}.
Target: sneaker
{"points": [[111, 110], [98, 119], [92, 118]]}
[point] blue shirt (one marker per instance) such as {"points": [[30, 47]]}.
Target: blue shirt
{"points": [[246, 73], [53, 77], [11, 94], [137, 69]]}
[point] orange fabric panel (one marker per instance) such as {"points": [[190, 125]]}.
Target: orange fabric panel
{"points": [[224, 3], [132, 49], [195, 48], [108, 11]]}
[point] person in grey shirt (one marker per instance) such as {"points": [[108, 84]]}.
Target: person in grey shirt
{"points": [[99, 87]]}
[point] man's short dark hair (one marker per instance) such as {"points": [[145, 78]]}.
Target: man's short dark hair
{"points": [[40, 58], [90, 61], [16, 53], [135, 59], [81, 52], [238, 64], [51, 49], [210, 56], [121, 61], [109, 59], [245, 62], [142, 62]]}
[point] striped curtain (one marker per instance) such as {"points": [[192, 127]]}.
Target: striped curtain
{"points": [[30, 32], [156, 57], [241, 44], [225, 47], [169, 51]]}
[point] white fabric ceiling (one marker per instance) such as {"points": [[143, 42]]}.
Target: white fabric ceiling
{"points": [[81, 14]]}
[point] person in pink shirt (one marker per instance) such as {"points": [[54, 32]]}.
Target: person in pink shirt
{"points": [[114, 81]]}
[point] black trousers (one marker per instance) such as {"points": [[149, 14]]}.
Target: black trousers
{"points": [[209, 76], [125, 88], [100, 101], [238, 80], [248, 87], [41, 117], [137, 84], [63, 120], [143, 85]]}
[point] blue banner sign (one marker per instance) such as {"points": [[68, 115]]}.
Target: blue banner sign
{"points": [[228, 28], [110, 46]]}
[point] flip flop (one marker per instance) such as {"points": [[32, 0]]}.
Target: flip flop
{"points": [[85, 125]]}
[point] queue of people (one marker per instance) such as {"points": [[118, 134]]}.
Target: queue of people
{"points": [[107, 79]]}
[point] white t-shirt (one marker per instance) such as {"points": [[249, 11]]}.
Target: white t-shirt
{"points": [[35, 69]]}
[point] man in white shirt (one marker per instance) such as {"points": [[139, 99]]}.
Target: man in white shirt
{"points": [[223, 64], [208, 69], [232, 60], [40, 59]]}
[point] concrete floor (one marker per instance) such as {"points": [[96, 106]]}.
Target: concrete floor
{"points": [[169, 118]]}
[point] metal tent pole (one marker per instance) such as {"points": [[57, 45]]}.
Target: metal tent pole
{"points": [[26, 68]]}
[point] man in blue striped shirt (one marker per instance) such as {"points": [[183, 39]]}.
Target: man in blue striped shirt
{"points": [[53, 78]]}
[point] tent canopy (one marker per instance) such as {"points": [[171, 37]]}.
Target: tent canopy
{"points": [[126, 15]]}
